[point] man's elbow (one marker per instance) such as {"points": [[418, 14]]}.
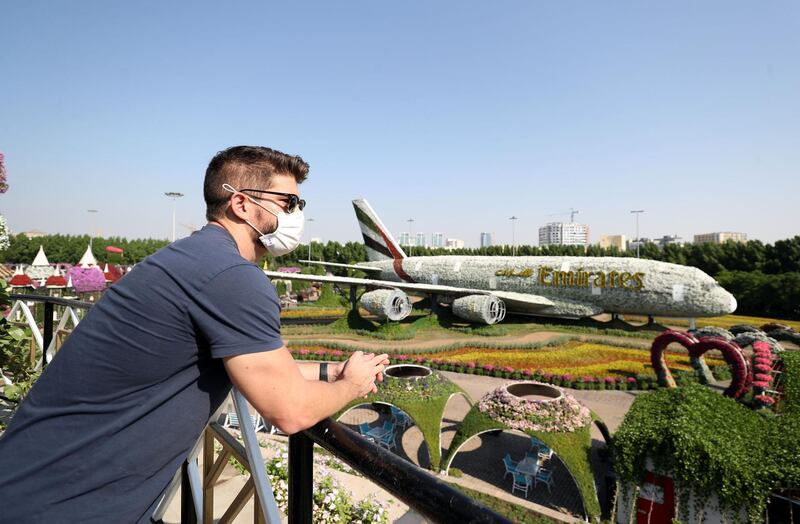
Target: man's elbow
{"points": [[294, 423]]}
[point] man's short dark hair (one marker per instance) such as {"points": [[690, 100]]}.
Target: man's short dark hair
{"points": [[246, 167]]}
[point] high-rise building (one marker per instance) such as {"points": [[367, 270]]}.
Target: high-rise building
{"points": [[564, 234], [404, 238], [719, 237], [617, 241], [420, 241], [437, 240], [454, 243], [486, 239]]}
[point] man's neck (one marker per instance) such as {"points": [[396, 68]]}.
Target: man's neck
{"points": [[243, 238]]}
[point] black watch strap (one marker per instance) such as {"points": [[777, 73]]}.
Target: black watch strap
{"points": [[323, 371]]}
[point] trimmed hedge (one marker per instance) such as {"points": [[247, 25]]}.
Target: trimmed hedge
{"points": [[710, 444], [791, 382]]}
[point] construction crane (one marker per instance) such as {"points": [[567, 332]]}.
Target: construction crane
{"points": [[572, 212]]}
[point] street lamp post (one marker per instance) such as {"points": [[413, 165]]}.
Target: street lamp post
{"points": [[309, 238], [411, 240], [92, 211], [174, 196], [513, 220], [638, 243]]}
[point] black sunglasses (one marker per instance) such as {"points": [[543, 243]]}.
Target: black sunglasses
{"points": [[294, 201]]}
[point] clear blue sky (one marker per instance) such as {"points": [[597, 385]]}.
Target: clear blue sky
{"points": [[457, 114]]}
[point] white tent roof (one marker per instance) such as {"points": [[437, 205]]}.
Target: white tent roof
{"points": [[41, 258], [88, 260]]}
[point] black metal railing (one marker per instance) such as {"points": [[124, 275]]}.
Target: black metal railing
{"points": [[423, 492]]}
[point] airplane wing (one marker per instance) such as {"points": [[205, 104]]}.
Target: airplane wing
{"points": [[517, 301]]}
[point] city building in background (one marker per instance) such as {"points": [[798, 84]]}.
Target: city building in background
{"points": [[404, 238], [719, 237], [633, 244], [34, 233], [667, 240], [437, 240], [486, 240], [454, 243], [617, 241], [420, 240], [564, 234]]}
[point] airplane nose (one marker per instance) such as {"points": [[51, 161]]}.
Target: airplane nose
{"points": [[725, 301]]}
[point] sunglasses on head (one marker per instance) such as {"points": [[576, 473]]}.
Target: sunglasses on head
{"points": [[293, 201]]}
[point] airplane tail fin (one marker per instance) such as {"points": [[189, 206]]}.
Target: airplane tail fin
{"points": [[379, 242]]}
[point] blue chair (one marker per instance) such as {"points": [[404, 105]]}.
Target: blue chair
{"points": [[522, 483], [545, 453], [364, 430], [535, 443], [400, 418], [511, 466], [388, 426], [387, 441], [546, 476]]}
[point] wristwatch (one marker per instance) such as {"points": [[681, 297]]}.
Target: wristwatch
{"points": [[323, 371]]}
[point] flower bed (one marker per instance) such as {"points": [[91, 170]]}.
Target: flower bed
{"points": [[332, 502], [563, 413], [574, 364]]}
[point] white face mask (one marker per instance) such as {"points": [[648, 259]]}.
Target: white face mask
{"points": [[286, 237]]}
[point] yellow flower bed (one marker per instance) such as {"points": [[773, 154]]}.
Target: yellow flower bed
{"points": [[724, 322], [577, 358], [312, 312]]}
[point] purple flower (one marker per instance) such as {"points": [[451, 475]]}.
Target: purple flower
{"points": [[566, 377], [508, 369], [87, 279]]}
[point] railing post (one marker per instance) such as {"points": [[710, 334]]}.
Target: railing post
{"points": [[48, 330], [188, 515], [301, 479]]}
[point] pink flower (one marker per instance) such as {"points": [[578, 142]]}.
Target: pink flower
{"points": [[588, 379], [488, 367], [508, 369], [566, 377], [471, 365], [761, 377], [337, 353], [765, 399], [760, 384], [631, 380], [304, 352], [526, 372], [760, 345], [610, 380], [763, 368]]}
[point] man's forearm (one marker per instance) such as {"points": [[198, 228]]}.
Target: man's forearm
{"points": [[310, 370]]}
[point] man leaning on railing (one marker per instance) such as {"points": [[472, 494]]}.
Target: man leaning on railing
{"points": [[118, 409]]}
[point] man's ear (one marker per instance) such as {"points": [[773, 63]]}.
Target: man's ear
{"points": [[238, 206]]}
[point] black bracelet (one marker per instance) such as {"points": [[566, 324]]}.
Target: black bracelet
{"points": [[323, 371]]}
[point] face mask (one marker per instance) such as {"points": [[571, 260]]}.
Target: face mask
{"points": [[286, 237]]}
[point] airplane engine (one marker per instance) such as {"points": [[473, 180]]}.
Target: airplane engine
{"points": [[390, 304], [480, 308]]}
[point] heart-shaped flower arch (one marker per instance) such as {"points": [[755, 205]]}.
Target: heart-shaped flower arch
{"points": [[731, 352]]}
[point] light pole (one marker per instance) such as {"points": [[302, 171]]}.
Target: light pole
{"points": [[309, 238], [92, 211], [637, 213], [174, 196], [513, 220]]}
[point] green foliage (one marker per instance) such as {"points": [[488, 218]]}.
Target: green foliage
{"points": [[710, 443], [15, 361], [514, 512], [69, 248], [763, 294], [330, 298], [573, 448], [791, 382]]}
